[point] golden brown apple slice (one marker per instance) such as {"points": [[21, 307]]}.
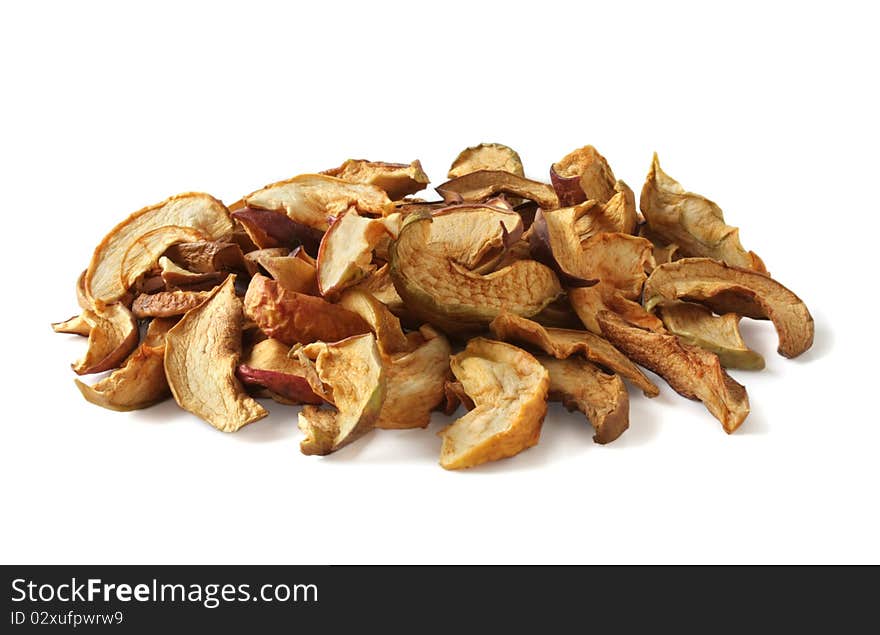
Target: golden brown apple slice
{"points": [[588, 302], [207, 256], [140, 382], [176, 277], [442, 292], [203, 213], [727, 289], [397, 179], [167, 303], [691, 371], [289, 271], [267, 229], [508, 387], [77, 325], [476, 187], [697, 325], [113, 334], [663, 252], [144, 253], [298, 318], [346, 252], [353, 370], [580, 385], [691, 221], [311, 199], [201, 354], [268, 364], [477, 236], [563, 343], [384, 324], [486, 156], [582, 175]]}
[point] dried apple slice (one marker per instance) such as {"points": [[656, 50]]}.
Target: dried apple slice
{"points": [[272, 228], [298, 318], [580, 385], [588, 302], [727, 289], [509, 389], [354, 372], [691, 221], [208, 256], [455, 396], [582, 175], [691, 371], [486, 156], [697, 325], [563, 343], [397, 179], [112, 336], [440, 291], [176, 277], [346, 252], [77, 325], [618, 260], [201, 354], [382, 321], [480, 186], [289, 271], [663, 251], [140, 382], [311, 199], [167, 303], [416, 383], [144, 253], [479, 240], [201, 212], [268, 364]]}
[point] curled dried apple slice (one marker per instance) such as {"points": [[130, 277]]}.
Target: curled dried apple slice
{"points": [[113, 334], [103, 282], [346, 252], [508, 387], [296, 317], [144, 253], [442, 292], [272, 228], [268, 364], [353, 370], [697, 325], [486, 156], [480, 186], [311, 199], [479, 240], [588, 302], [691, 221], [582, 175], [618, 260], [292, 273], [563, 343], [167, 303], [140, 382], [201, 354], [397, 179], [176, 277], [77, 325], [727, 289], [663, 252], [416, 381], [580, 385], [691, 371], [208, 256], [382, 321]]}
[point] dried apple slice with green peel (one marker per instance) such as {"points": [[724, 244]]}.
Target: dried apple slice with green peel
{"points": [[692, 222], [438, 290], [103, 281], [508, 387], [354, 372]]}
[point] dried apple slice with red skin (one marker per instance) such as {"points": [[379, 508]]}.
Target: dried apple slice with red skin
{"points": [[202, 352], [697, 325], [440, 291], [509, 389], [298, 318], [580, 385], [582, 175], [201, 212], [272, 228], [564, 343], [346, 252], [140, 382], [691, 371], [112, 337], [486, 156], [692, 222], [208, 256], [353, 369], [268, 365], [727, 289], [397, 179], [482, 185], [167, 303], [312, 199]]}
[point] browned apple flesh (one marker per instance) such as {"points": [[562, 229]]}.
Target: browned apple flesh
{"points": [[486, 156], [397, 179], [480, 186]]}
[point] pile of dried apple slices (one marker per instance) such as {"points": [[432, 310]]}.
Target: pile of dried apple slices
{"points": [[343, 293]]}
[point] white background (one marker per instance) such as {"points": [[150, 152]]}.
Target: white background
{"points": [[768, 108]]}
